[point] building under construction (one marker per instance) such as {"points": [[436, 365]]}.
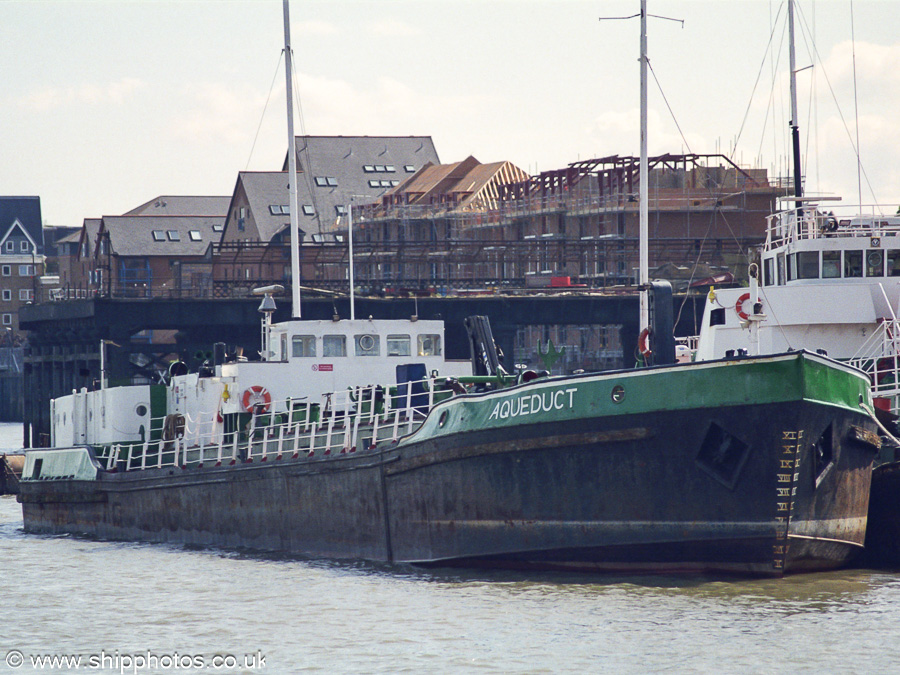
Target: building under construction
{"points": [[471, 225]]}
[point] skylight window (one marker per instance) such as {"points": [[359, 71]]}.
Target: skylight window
{"points": [[174, 235], [218, 227], [369, 168], [195, 235], [374, 183], [326, 181], [279, 209], [390, 168], [380, 168], [409, 168], [340, 209], [308, 210], [159, 235]]}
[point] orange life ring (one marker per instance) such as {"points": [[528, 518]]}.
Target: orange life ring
{"points": [[739, 306], [256, 397], [644, 342]]}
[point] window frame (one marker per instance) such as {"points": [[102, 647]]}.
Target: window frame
{"points": [[404, 339], [362, 339], [304, 341], [329, 340]]}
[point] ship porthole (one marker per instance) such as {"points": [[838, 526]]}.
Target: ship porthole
{"points": [[618, 394], [140, 410], [442, 420]]}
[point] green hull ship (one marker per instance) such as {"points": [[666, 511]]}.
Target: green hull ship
{"points": [[754, 465]]}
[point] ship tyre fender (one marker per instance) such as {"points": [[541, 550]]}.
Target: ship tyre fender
{"points": [[644, 342], [739, 306], [256, 398]]}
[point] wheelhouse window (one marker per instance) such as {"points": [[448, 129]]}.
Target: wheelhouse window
{"points": [[808, 265], [853, 264], [875, 264], [429, 345], [893, 263], [334, 345], [831, 264], [398, 345], [769, 272], [303, 346], [367, 345]]}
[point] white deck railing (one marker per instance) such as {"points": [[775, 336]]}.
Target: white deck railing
{"points": [[879, 358], [346, 421]]}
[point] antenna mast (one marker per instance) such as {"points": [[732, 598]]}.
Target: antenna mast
{"points": [[292, 168]]}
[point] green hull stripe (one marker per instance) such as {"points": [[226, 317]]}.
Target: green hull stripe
{"points": [[755, 381]]}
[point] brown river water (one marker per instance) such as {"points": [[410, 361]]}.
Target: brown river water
{"points": [[108, 607]]}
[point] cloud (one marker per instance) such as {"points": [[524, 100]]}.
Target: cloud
{"points": [[88, 93], [619, 133], [314, 28], [394, 28], [217, 113], [383, 105]]}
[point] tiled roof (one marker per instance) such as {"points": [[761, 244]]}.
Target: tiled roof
{"points": [[267, 189], [467, 184], [88, 234], [336, 168], [161, 235], [27, 210], [179, 205]]}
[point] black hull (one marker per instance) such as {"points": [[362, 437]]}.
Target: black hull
{"points": [[698, 491], [883, 531]]}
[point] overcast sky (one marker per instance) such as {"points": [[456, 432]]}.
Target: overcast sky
{"points": [[106, 105]]}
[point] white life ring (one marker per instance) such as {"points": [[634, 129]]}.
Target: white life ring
{"points": [[644, 343], [739, 306], [256, 397]]}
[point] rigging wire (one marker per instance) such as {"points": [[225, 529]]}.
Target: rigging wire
{"points": [[855, 104], [265, 106], [307, 175], [853, 145], [771, 103], [755, 84], [715, 211]]}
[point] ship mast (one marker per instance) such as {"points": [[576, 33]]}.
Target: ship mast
{"points": [[292, 169], [644, 188], [795, 130]]}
